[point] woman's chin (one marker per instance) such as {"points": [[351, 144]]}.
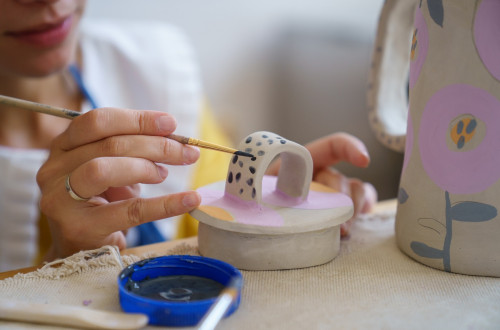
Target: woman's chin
{"points": [[41, 66]]}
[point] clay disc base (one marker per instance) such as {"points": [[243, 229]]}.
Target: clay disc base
{"points": [[269, 252]]}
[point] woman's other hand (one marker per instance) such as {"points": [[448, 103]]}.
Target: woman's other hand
{"points": [[330, 150]]}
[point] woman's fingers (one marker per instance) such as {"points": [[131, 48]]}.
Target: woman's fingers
{"points": [[103, 155], [106, 122], [371, 197], [154, 148], [114, 194], [333, 179], [97, 175], [104, 225], [363, 195], [332, 149], [132, 212], [337, 147]]}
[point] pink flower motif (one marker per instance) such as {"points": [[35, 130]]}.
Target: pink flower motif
{"points": [[420, 44], [461, 171], [486, 35]]}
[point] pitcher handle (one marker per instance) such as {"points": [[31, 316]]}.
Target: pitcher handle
{"points": [[387, 96]]}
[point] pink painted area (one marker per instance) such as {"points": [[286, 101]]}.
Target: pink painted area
{"points": [[460, 172], [487, 35], [263, 215], [248, 213], [409, 142], [315, 200], [422, 47]]}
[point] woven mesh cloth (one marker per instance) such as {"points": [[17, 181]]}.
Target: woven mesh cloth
{"points": [[371, 284]]}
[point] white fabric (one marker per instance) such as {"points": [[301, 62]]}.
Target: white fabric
{"points": [[133, 65], [19, 195], [370, 285]]}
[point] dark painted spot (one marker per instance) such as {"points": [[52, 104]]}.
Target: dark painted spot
{"points": [[279, 138], [238, 176], [260, 153], [254, 192], [230, 177], [402, 196], [248, 149], [235, 159], [282, 141], [264, 136], [461, 142], [270, 141], [253, 159], [252, 169], [248, 140], [250, 182], [460, 127], [471, 126], [240, 163], [241, 191], [258, 144], [436, 11]]}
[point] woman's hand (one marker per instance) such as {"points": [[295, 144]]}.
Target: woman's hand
{"points": [[330, 150], [106, 153]]}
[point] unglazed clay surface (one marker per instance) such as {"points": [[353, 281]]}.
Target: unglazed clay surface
{"points": [[249, 220]]}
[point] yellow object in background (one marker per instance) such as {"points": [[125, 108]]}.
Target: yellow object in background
{"points": [[211, 167]]}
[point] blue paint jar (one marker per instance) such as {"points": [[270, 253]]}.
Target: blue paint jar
{"points": [[175, 290]]}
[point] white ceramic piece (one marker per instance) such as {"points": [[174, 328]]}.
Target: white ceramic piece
{"points": [[259, 222]]}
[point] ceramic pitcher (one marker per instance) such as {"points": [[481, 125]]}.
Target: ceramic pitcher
{"points": [[434, 92]]}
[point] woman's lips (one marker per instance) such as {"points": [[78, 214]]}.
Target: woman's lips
{"points": [[46, 35]]}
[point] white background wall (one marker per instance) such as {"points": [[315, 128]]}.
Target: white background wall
{"points": [[295, 67]]}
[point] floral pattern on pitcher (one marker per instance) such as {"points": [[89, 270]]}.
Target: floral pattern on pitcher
{"points": [[458, 141]]}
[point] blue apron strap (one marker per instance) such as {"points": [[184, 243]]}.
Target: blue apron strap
{"points": [[148, 232], [75, 72]]}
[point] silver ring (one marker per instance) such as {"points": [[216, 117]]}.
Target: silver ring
{"points": [[73, 194]]}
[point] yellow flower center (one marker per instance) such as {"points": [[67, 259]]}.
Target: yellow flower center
{"points": [[463, 131]]}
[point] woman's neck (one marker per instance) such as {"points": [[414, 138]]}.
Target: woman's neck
{"points": [[24, 129]]}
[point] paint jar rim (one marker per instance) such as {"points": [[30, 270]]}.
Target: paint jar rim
{"points": [[175, 313]]}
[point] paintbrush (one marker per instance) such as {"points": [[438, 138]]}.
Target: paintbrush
{"points": [[221, 305], [70, 114]]}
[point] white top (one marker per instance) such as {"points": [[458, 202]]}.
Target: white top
{"points": [[133, 65]]}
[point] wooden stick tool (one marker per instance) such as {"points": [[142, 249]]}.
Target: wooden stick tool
{"points": [[70, 114]]}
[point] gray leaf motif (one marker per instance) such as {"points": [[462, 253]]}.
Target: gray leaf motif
{"points": [[473, 212], [436, 11], [426, 251]]}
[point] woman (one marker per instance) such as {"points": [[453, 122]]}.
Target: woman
{"points": [[90, 168]]}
